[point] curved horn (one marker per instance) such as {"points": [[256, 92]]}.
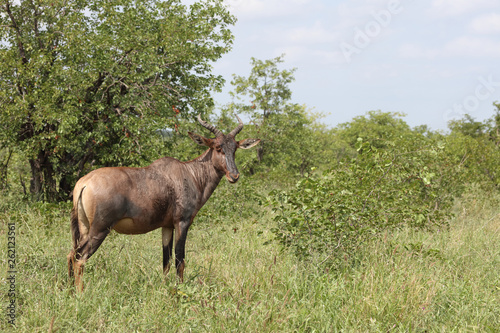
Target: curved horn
{"points": [[209, 127], [238, 128]]}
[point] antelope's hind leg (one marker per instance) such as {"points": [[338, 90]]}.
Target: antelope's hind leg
{"points": [[75, 235], [84, 251], [71, 263]]}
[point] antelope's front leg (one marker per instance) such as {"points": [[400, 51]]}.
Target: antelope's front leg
{"points": [[180, 243], [167, 242]]}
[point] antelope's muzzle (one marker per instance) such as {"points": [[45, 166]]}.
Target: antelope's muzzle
{"points": [[232, 178]]}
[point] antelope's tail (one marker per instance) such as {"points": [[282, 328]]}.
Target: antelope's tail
{"points": [[75, 229]]}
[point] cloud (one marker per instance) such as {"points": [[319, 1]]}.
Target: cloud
{"points": [[258, 9], [486, 24], [358, 13], [413, 51], [472, 46], [313, 56], [465, 46], [447, 8], [317, 33], [314, 43]]}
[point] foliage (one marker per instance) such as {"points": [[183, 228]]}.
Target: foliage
{"points": [[490, 128], [267, 86], [468, 126], [376, 127], [408, 183], [292, 137], [85, 84], [5, 157], [390, 176], [476, 147], [231, 203], [478, 159]]}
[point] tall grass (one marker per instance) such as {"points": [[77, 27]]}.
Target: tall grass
{"points": [[407, 281]]}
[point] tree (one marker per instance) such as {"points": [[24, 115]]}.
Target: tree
{"points": [[468, 126], [269, 93], [475, 145], [267, 86], [88, 83], [291, 136], [376, 127], [495, 125]]}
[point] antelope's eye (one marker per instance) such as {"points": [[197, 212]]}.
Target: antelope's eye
{"points": [[218, 148]]}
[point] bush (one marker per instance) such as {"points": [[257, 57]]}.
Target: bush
{"points": [[326, 218]]}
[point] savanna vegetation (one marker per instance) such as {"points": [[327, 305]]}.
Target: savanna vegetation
{"points": [[371, 225]]}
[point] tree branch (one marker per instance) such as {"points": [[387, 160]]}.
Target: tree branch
{"points": [[20, 45], [36, 14], [93, 89]]}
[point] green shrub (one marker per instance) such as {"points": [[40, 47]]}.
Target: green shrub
{"points": [[326, 218]]}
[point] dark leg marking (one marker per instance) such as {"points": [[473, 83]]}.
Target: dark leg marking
{"points": [[168, 243], [180, 243]]}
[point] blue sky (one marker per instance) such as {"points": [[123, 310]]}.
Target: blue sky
{"points": [[434, 60]]}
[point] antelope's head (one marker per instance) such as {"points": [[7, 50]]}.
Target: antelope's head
{"points": [[224, 148]]}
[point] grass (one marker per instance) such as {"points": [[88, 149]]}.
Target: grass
{"points": [[409, 281]]}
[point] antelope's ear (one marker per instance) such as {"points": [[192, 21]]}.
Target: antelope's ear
{"points": [[202, 141], [248, 143]]}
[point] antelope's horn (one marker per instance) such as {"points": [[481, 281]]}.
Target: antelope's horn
{"points": [[209, 127], [238, 128]]}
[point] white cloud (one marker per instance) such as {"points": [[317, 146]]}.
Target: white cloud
{"points": [[257, 9], [465, 46], [312, 56], [472, 46], [317, 33], [486, 24], [354, 13], [446, 8], [410, 50]]}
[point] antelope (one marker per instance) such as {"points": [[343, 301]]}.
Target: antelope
{"points": [[167, 194]]}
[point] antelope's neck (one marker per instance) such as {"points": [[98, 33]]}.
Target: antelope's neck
{"points": [[205, 173]]}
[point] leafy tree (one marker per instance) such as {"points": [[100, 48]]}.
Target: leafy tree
{"points": [[292, 139], [268, 92], [267, 86], [475, 146], [468, 126], [489, 128], [89, 83], [494, 128], [376, 127], [477, 158]]}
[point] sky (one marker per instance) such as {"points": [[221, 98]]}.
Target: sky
{"points": [[434, 60]]}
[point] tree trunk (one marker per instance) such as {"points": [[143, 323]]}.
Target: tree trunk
{"points": [[4, 166], [65, 186], [36, 178], [42, 183]]}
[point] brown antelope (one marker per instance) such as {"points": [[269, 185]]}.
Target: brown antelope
{"points": [[166, 194]]}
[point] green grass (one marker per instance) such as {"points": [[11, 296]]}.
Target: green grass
{"points": [[408, 281]]}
